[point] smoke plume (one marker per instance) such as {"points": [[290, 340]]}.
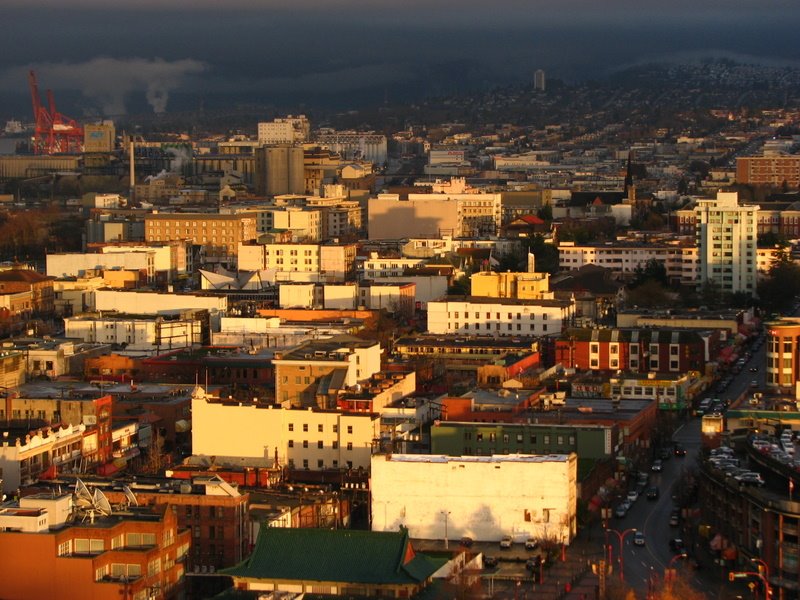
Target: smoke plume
{"points": [[107, 81]]}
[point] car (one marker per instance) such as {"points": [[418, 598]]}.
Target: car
{"points": [[679, 450], [633, 496], [653, 493], [489, 562], [638, 538], [506, 542], [677, 546], [675, 519], [533, 563], [466, 541], [620, 511], [531, 544], [656, 466], [754, 369], [754, 384]]}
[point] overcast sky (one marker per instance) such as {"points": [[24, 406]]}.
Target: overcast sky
{"points": [[170, 54]]}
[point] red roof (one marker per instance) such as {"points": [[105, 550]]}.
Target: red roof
{"points": [[532, 220]]}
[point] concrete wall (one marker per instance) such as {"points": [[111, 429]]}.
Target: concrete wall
{"points": [[484, 498]]}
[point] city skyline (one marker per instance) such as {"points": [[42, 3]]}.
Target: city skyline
{"points": [[311, 53]]}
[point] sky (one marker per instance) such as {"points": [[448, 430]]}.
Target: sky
{"points": [[163, 55]]}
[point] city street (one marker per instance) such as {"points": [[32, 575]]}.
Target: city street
{"points": [[643, 564]]}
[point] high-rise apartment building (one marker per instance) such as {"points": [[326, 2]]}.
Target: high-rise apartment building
{"points": [[770, 169], [539, 80], [290, 130], [783, 355], [725, 234]]}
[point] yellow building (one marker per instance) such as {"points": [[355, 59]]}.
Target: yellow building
{"points": [[521, 286], [218, 235]]}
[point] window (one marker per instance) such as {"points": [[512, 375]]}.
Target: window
{"points": [[291, 443], [305, 426], [349, 445], [349, 429], [305, 463], [319, 428], [65, 548], [320, 464], [335, 445], [305, 443], [291, 426], [547, 440], [101, 572], [319, 444]]}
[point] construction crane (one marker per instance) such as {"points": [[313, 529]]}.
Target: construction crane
{"points": [[54, 133]]}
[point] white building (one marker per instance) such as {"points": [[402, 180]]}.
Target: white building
{"points": [[483, 497], [329, 263], [624, 257], [499, 316], [289, 130], [252, 434], [154, 303], [726, 242], [22, 460], [352, 145], [76, 264], [138, 334], [375, 266]]}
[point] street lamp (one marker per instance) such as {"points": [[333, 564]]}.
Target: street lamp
{"points": [[621, 536], [446, 514]]}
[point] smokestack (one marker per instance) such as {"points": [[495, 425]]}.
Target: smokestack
{"points": [[131, 193]]}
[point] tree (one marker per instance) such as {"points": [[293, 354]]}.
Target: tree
{"points": [[778, 290], [650, 294], [545, 213], [546, 254], [653, 270]]}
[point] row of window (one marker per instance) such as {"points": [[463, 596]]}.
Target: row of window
{"points": [[520, 438], [321, 428], [320, 464], [321, 445], [674, 349], [455, 315]]}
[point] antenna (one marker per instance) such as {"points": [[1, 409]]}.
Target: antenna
{"points": [[83, 497]]}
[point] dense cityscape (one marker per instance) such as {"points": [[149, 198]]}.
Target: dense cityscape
{"points": [[536, 339]]}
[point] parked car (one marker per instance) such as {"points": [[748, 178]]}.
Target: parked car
{"points": [[531, 544], [621, 511], [675, 518], [638, 538], [466, 541], [489, 562], [653, 493], [633, 496], [533, 563], [506, 542]]}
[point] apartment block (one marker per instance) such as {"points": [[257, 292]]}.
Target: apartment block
{"points": [[218, 235], [772, 170], [499, 316], [255, 434]]}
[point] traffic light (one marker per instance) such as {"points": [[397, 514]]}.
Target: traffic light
{"points": [[731, 576]]}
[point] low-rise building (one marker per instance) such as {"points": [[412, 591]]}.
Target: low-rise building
{"points": [[137, 334], [483, 497], [311, 374], [258, 434], [499, 316], [100, 553]]}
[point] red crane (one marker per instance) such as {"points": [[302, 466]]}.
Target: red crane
{"points": [[54, 132]]}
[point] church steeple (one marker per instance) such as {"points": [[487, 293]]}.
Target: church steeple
{"points": [[628, 173]]}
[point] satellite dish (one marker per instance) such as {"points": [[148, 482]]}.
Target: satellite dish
{"points": [[130, 496], [101, 503], [83, 497]]}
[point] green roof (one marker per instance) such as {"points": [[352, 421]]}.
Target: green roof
{"points": [[343, 555]]}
